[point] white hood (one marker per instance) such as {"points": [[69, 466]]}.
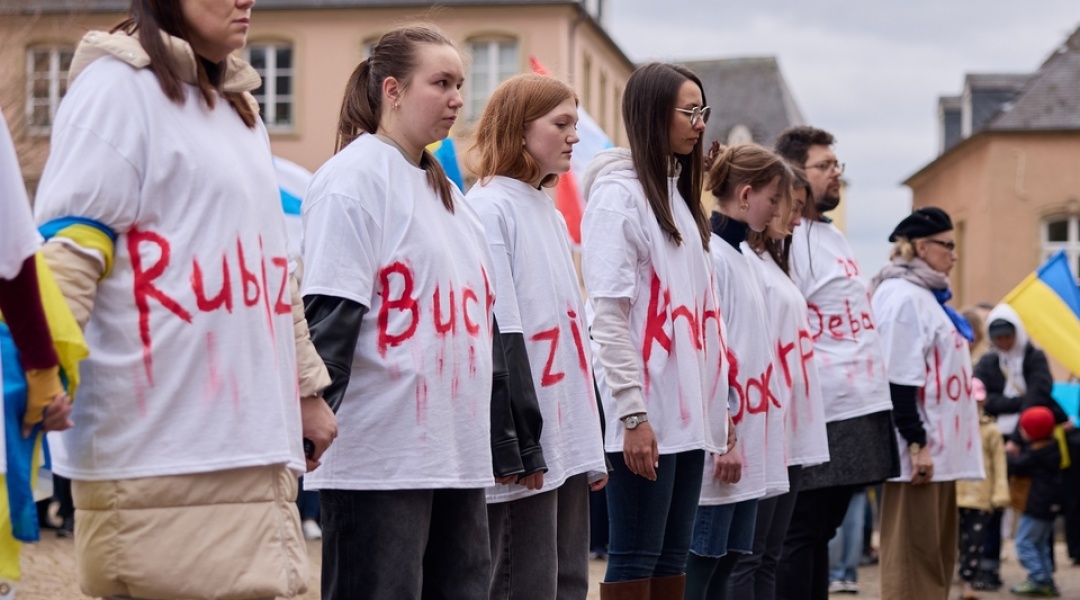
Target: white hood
{"points": [[1006, 313], [612, 160]]}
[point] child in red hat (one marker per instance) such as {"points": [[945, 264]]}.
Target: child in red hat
{"points": [[1040, 460]]}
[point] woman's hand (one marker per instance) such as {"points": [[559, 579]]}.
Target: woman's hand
{"points": [[922, 467], [640, 451], [728, 467], [598, 485], [57, 415], [534, 481], [320, 427]]}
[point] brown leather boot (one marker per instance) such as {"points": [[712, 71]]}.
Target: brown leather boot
{"points": [[667, 588], [636, 589]]}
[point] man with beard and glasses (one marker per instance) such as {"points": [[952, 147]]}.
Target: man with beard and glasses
{"points": [[858, 407]]}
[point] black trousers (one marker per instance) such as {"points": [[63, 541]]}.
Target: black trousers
{"points": [[405, 545], [803, 572]]}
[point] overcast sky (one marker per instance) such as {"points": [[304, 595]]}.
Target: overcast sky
{"points": [[868, 71]]}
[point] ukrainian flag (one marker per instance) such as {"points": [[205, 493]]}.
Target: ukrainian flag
{"points": [[446, 154], [1048, 301]]}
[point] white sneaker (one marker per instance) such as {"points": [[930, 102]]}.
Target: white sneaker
{"points": [[851, 587], [312, 531], [837, 587]]}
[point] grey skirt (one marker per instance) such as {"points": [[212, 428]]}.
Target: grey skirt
{"points": [[862, 451]]}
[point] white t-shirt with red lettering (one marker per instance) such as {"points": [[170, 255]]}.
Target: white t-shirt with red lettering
{"points": [[759, 416], [793, 348], [539, 297], [417, 411], [192, 364], [675, 320], [846, 341], [924, 349]]}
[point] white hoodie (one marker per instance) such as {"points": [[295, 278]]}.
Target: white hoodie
{"points": [[672, 365]]}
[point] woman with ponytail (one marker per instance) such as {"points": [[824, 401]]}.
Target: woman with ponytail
{"points": [[385, 232], [747, 182], [166, 239], [795, 368], [657, 329]]}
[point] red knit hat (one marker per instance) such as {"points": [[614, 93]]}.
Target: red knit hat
{"points": [[1037, 422]]}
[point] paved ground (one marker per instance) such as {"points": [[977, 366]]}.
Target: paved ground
{"points": [[49, 567]]}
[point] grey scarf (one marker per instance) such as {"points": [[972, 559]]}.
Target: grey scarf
{"points": [[916, 271]]}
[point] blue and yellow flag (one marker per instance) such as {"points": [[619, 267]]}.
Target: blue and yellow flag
{"points": [[1048, 301], [445, 153]]}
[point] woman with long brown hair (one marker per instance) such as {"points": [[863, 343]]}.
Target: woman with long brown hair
{"points": [[170, 249], [657, 329], [386, 233]]}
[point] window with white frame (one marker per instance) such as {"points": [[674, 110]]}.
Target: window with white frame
{"points": [[1062, 233], [494, 61], [46, 83], [274, 62]]}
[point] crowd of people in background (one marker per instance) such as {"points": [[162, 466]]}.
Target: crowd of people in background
{"points": [[730, 378]]}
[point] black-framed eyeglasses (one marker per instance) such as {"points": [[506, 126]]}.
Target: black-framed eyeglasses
{"points": [[698, 112], [828, 166], [950, 246]]}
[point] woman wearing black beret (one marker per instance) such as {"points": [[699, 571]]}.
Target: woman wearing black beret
{"points": [[929, 369]]}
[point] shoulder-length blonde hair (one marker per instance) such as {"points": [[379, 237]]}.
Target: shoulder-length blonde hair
{"points": [[497, 142], [903, 248]]}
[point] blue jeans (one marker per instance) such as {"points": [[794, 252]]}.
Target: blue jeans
{"points": [[1034, 543], [846, 546], [651, 522]]}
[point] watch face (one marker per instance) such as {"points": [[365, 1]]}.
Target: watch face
{"points": [[631, 422]]}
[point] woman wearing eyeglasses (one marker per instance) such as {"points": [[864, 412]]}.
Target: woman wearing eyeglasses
{"points": [[929, 369], [657, 329]]}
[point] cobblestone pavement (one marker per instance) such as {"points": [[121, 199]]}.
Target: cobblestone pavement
{"points": [[49, 574]]}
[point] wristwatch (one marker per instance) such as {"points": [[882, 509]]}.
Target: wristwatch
{"points": [[914, 448], [632, 421]]}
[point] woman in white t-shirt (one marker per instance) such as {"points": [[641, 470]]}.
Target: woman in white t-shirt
{"points": [[657, 329], [800, 391], [385, 232], [929, 366], [539, 526], [168, 243], [746, 181]]}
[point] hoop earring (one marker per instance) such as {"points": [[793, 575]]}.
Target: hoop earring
{"points": [[744, 207]]}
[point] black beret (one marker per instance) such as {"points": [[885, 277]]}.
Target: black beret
{"points": [[922, 222]]}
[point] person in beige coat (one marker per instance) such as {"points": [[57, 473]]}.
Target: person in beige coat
{"points": [[166, 238], [977, 500]]}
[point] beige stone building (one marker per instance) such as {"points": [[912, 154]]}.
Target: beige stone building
{"points": [[1009, 174], [306, 50]]}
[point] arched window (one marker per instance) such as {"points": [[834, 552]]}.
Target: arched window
{"points": [[46, 83], [1062, 233], [494, 61], [274, 62]]}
